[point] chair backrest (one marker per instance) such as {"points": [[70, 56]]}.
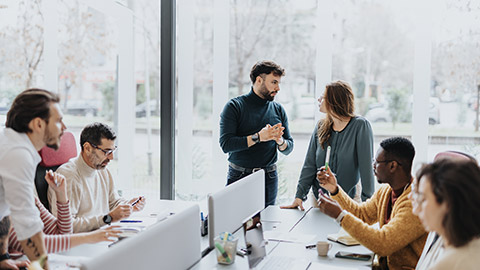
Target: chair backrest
{"points": [[52, 159], [454, 155]]}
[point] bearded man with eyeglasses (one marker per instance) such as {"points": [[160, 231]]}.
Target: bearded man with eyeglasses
{"points": [[94, 201]]}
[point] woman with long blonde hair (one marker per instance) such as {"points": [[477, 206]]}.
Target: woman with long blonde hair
{"points": [[350, 138]]}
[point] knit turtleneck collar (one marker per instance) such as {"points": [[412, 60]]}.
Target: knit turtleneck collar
{"points": [[83, 167], [256, 99]]}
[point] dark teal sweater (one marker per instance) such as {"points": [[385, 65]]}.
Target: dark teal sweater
{"points": [[246, 115], [350, 159]]}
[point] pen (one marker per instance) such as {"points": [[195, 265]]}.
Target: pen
{"points": [[50, 172], [310, 246], [130, 221], [201, 216], [223, 252], [327, 158], [135, 202]]}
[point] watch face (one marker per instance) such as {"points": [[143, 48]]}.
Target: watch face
{"points": [[107, 219], [255, 137]]}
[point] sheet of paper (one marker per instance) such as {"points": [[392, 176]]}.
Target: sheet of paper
{"points": [[288, 237], [322, 266], [62, 262]]}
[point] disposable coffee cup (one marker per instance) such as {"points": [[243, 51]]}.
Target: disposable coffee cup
{"points": [[323, 247]]}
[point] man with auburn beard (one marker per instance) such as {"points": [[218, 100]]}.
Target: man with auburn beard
{"points": [[253, 127], [33, 121]]}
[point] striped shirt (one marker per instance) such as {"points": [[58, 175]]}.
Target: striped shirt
{"points": [[57, 229]]}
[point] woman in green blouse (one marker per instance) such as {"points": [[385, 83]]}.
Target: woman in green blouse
{"points": [[351, 140]]}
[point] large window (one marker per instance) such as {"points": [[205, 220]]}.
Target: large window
{"points": [[455, 77], [370, 44], [103, 61]]}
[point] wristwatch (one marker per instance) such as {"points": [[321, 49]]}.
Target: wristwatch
{"points": [[5, 256], [107, 219], [256, 138]]}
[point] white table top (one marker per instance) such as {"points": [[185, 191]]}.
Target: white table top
{"points": [[295, 222]]}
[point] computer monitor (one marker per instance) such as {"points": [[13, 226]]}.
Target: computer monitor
{"points": [[231, 206], [173, 243]]}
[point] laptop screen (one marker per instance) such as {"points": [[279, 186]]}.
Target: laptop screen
{"points": [[254, 241]]}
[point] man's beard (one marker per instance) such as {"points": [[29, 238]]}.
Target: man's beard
{"points": [[48, 140], [265, 93], [99, 165]]}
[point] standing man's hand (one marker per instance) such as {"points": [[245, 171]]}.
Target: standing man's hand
{"points": [[269, 133], [297, 203], [327, 180]]}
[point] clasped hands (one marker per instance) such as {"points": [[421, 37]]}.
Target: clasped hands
{"points": [[274, 132]]}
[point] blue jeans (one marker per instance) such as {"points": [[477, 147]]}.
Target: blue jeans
{"points": [[271, 183]]}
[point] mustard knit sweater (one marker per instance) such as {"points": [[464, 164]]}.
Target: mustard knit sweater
{"points": [[401, 240]]}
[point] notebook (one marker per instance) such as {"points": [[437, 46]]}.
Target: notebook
{"points": [[257, 254], [343, 238]]}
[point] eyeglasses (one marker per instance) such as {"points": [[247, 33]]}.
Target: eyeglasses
{"points": [[106, 152], [375, 162]]}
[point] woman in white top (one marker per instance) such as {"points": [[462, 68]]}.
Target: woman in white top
{"points": [[447, 204], [434, 245]]}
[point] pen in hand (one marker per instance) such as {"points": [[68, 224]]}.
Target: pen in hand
{"points": [[135, 202], [327, 158], [50, 173]]}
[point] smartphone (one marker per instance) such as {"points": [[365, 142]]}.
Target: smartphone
{"points": [[353, 256]]}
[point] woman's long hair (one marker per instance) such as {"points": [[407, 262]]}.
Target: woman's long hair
{"points": [[339, 103]]}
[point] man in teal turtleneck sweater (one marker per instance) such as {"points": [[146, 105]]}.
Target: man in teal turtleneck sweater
{"points": [[253, 127]]}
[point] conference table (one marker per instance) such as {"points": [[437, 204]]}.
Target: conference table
{"points": [[310, 222], [274, 220]]}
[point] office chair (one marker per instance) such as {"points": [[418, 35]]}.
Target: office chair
{"points": [[52, 159], [454, 155]]}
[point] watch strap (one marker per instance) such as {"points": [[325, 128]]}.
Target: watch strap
{"points": [[5, 256]]}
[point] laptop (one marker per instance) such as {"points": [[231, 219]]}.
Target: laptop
{"points": [[173, 243], [255, 244]]}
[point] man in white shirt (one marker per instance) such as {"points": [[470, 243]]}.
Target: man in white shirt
{"points": [[33, 121], [93, 199]]}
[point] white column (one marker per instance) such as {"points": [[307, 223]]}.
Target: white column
{"points": [[324, 41], [126, 88], [221, 36], [50, 45], [126, 97], [185, 62], [421, 81]]}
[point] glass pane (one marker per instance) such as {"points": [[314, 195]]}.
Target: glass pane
{"points": [[455, 77], [373, 51]]}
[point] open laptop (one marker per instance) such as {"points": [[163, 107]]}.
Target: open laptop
{"points": [[173, 243], [255, 244]]}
